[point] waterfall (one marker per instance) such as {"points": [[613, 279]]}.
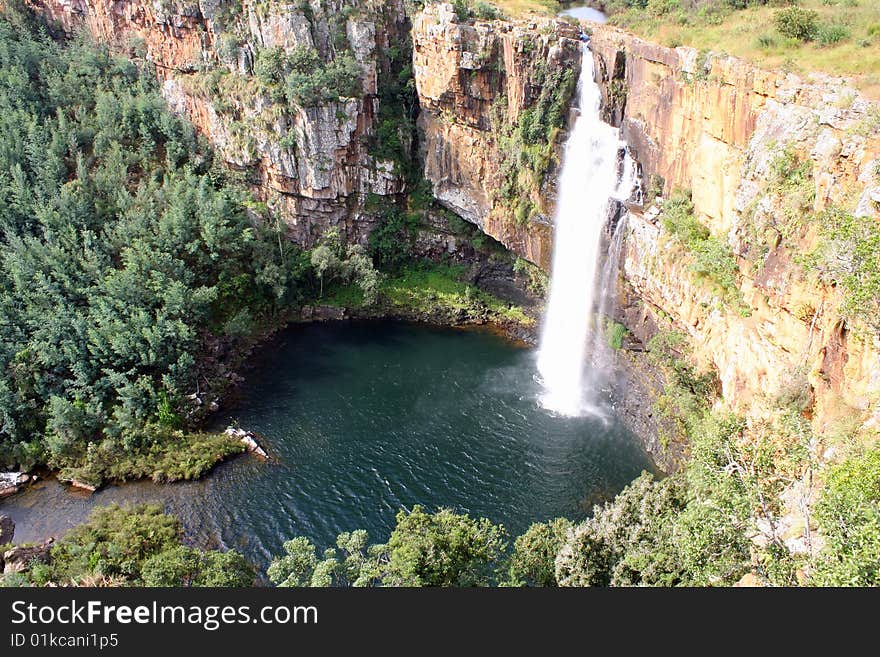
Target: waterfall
{"points": [[608, 288], [589, 180], [628, 187]]}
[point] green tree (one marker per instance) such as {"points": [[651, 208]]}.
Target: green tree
{"points": [[125, 253], [849, 517], [443, 549], [440, 549], [533, 560], [186, 566]]}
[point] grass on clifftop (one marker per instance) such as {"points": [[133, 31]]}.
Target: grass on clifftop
{"points": [[516, 8], [847, 40]]}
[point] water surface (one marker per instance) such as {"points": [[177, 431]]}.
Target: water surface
{"points": [[363, 419], [585, 14]]}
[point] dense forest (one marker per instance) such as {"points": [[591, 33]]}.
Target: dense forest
{"points": [[126, 255]]}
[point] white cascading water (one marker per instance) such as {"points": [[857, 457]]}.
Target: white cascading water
{"points": [[587, 183]]}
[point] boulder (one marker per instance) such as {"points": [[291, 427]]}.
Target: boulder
{"points": [[19, 558], [11, 482], [248, 440], [7, 529]]}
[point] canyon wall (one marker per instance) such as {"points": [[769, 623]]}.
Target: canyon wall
{"points": [[311, 162], [474, 82], [723, 129]]}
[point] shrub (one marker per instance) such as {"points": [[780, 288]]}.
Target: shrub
{"points": [[138, 545], [186, 566], [629, 541], [486, 11], [462, 10], [766, 41], [312, 82], [797, 23], [425, 549], [392, 239], [614, 333], [828, 35], [533, 561], [849, 516], [848, 255], [713, 261], [270, 65]]}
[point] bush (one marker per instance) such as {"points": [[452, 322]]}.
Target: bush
{"points": [[312, 82], [848, 255], [391, 241], [137, 545], [797, 23], [271, 65], [186, 566], [533, 561], [337, 264], [116, 541], [849, 516], [425, 549], [486, 11], [828, 35], [614, 333], [629, 541], [713, 261]]}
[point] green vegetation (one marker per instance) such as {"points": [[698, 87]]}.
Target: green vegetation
{"points": [[833, 36], [135, 546], [529, 147], [334, 262], [712, 260], [392, 239], [849, 516], [467, 10], [427, 288], [305, 78], [439, 549], [398, 106], [848, 255], [538, 280], [791, 177], [174, 455], [615, 332], [688, 393], [533, 561], [124, 253], [797, 23]]}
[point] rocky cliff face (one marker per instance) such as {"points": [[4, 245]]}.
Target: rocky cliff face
{"points": [[723, 129], [310, 161], [474, 82]]}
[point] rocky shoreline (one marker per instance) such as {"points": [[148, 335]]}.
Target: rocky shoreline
{"points": [[13, 482]]}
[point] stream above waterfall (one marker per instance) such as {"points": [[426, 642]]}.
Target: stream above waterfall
{"points": [[585, 14], [362, 419]]}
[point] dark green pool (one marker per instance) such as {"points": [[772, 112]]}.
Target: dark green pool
{"points": [[363, 419]]}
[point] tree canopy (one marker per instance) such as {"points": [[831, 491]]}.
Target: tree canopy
{"points": [[125, 252]]}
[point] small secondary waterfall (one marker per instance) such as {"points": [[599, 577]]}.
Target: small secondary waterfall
{"points": [[589, 180]]}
